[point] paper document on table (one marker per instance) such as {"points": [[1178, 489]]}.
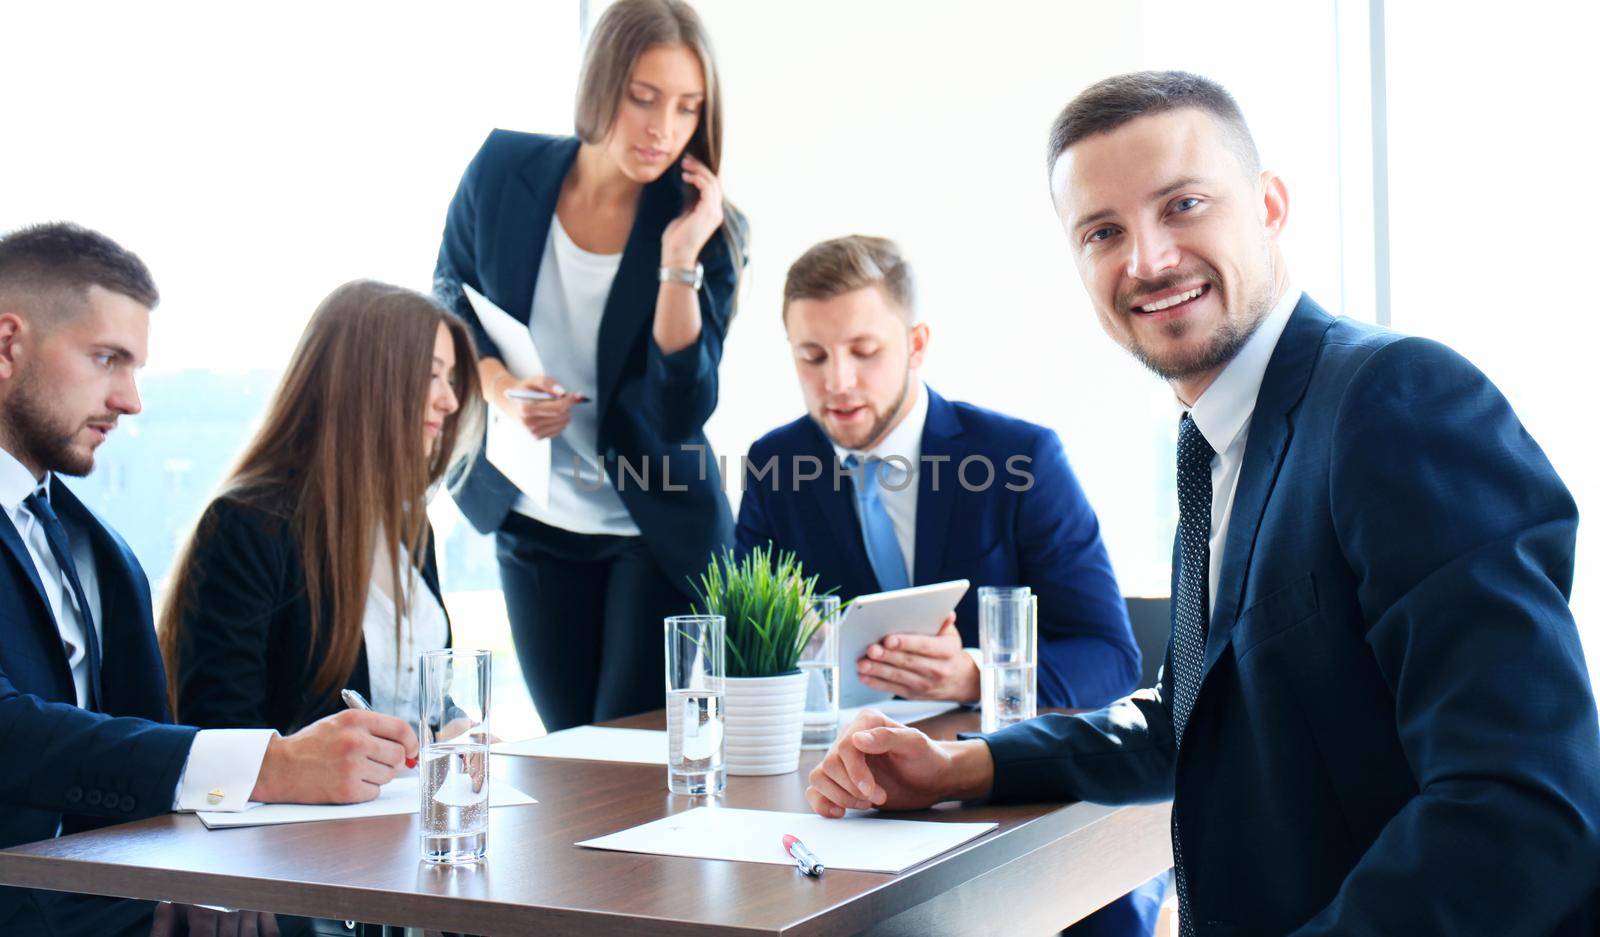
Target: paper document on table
{"points": [[402, 795], [860, 842], [594, 743], [903, 711], [519, 456]]}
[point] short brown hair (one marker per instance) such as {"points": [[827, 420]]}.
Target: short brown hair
{"points": [[842, 265], [1108, 104], [64, 257]]}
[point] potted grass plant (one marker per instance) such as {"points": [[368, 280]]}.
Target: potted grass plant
{"points": [[766, 604]]}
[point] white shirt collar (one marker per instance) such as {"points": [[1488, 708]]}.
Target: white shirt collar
{"points": [[1223, 410], [16, 482], [904, 441]]}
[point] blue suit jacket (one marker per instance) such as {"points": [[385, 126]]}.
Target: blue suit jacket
{"points": [[1395, 733], [1046, 537], [65, 765], [652, 406]]}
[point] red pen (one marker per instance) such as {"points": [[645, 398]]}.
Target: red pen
{"points": [[803, 857], [355, 700]]}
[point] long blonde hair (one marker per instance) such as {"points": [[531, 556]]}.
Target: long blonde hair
{"points": [[340, 458]]}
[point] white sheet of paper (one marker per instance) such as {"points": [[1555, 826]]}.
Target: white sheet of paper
{"points": [[402, 795], [903, 711], [594, 743], [510, 448], [863, 843]]}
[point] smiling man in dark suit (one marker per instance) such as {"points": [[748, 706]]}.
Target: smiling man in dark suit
{"points": [[85, 732], [1374, 716]]}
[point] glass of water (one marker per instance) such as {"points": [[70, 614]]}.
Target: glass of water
{"points": [[454, 765], [819, 661], [1008, 635], [695, 653]]}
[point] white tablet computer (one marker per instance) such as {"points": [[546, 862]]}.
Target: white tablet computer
{"points": [[871, 618]]}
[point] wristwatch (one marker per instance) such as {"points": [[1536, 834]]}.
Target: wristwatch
{"points": [[690, 278]]}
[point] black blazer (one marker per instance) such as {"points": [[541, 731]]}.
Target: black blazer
{"points": [[66, 766], [653, 406], [246, 657], [1395, 731]]}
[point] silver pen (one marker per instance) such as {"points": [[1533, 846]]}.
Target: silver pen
{"points": [[354, 700]]}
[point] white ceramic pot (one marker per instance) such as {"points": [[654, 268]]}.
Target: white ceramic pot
{"points": [[765, 716]]}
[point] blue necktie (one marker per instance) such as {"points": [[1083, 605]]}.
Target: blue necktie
{"points": [[38, 504], [877, 531], [1191, 612]]}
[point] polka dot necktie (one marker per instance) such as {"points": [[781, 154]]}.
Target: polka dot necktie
{"points": [[1191, 612]]}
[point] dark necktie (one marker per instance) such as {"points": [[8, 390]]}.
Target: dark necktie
{"points": [[38, 504], [1191, 609]]}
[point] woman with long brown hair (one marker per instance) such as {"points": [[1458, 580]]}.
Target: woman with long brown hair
{"points": [[616, 253], [313, 568]]}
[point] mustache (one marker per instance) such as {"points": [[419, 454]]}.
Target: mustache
{"points": [[1127, 299]]}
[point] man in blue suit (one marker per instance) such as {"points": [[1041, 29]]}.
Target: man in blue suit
{"points": [[1374, 716], [885, 484], [85, 733]]}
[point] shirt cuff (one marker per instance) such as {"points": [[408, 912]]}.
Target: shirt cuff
{"points": [[221, 770]]}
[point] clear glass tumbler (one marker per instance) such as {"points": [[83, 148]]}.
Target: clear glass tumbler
{"points": [[453, 730], [819, 661], [695, 742], [1008, 635]]}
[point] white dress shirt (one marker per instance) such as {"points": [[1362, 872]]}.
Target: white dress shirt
{"points": [[391, 664], [569, 301], [1222, 415], [220, 760], [900, 477]]}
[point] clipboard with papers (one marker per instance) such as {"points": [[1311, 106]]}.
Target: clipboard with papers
{"points": [[518, 454]]}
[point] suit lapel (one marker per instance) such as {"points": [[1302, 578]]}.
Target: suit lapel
{"points": [[44, 619], [631, 304], [524, 217], [941, 437], [1271, 428]]}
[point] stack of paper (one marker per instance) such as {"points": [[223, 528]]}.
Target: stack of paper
{"points": [[903, 711], [861, 842], [400, 796], [594, 743]]}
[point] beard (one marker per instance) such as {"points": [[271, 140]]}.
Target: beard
{"points": [[42, 435], [881, 420], [1220, 347]]}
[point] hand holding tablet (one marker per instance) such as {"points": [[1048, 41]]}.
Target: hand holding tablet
{"points": [[920, 610]]}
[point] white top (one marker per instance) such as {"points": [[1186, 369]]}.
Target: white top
{"points": [[1222, 415], [568, 303], [220, 759], [392, 666], [900, 477]]}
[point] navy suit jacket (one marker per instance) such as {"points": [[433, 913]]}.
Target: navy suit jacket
{"points": [[1395, 732], [1046, 537], [68, 766], [653, 406]]}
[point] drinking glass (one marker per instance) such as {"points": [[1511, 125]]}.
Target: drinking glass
{"points": [[1008, 635], [453, 730], [695, 653], [819, 661]]}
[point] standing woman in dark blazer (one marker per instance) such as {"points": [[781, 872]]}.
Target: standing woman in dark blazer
{"points": [[313, 570], [616, 250]]}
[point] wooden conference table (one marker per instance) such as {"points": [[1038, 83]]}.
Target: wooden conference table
{"points": [[1043, 868]]}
